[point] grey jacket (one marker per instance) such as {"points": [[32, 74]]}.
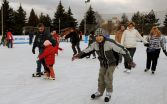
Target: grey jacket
{"points": [[106, 52]]}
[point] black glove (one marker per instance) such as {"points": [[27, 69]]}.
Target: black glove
{"points": [[132, 64], [33, 51], [75, 57], [165, 52], [146, 44]]}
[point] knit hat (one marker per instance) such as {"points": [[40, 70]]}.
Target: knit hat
{"points": [[99, 31], [47, 42]]}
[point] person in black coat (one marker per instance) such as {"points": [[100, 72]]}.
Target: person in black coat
{"points": [[31, 36], [40, 38], [74, 39]]}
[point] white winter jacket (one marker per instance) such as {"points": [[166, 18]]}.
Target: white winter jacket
{"points": [[129, 38]]}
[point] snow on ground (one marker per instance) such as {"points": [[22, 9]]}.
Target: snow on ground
{"points": [[76, 81]]}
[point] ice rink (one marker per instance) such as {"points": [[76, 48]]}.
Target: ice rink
{"points": [[76, 81]]}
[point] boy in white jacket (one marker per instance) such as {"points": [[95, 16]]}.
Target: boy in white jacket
{"points": [[129, 41]]}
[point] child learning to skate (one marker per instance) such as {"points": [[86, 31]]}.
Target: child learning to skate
{"points": [[49, 57]]}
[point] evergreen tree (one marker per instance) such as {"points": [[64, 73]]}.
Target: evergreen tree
{"points": [[81, 26], [20, 20], [70, 19], [33, 19], [164, 29], [124, 19], [48, 21], [45, 19], [138, 19], [150, 20], [60, 18], [8, 17], [91, 23]]}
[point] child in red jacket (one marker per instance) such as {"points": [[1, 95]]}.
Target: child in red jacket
{"points": [[49, 57]]}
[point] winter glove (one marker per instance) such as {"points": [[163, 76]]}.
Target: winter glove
{"points": [[132, 64], [165, 52], [61, 49], [146, 44], [75, 57], [33, 51]]}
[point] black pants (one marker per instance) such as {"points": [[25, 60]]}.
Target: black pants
{"points": [[30, 40], [10, 44], [74, 49], [132, 52], [152, 57]]}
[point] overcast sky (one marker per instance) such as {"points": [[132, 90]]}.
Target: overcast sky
{"points": [[102, 6]]}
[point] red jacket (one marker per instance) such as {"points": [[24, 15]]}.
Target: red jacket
{"points": [[49, 55], [9, 36]]}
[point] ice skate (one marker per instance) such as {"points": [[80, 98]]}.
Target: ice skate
{"points": [[153, 72], [146, 70], [51, 78], [37, 74], [127, 71], [107, 97], [95, 95], [46, 75]]}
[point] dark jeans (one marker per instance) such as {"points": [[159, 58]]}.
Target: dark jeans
{"points": [[40, 63], [152, 57], [74, 49], [10, 44], [30, 40], [132, 52]]}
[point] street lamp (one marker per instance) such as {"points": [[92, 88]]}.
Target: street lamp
{"points": [[2, 18]]}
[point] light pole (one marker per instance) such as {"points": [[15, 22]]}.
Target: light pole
{"points": [[2, 18]]}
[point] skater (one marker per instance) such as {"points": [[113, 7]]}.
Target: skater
{"points": [[104, 48], [129, 41], [91, 40], [31, 36], [3, 40], [57, 38], [118, 37], [156, 42], [49, 56], [9, 39], [40, 38], [74, 39]]}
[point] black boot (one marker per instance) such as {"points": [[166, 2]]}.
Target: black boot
{"points": [[96, 95], [37, 74]]}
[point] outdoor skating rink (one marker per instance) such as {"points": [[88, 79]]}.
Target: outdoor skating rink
{"points": [[76, 81]]}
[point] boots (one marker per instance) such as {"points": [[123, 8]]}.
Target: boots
{"points": [[107, 97], [37, 74], [95, 95]]}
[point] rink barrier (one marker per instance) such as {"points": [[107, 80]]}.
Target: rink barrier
{"points": [[24, 39], [21, 39]]}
